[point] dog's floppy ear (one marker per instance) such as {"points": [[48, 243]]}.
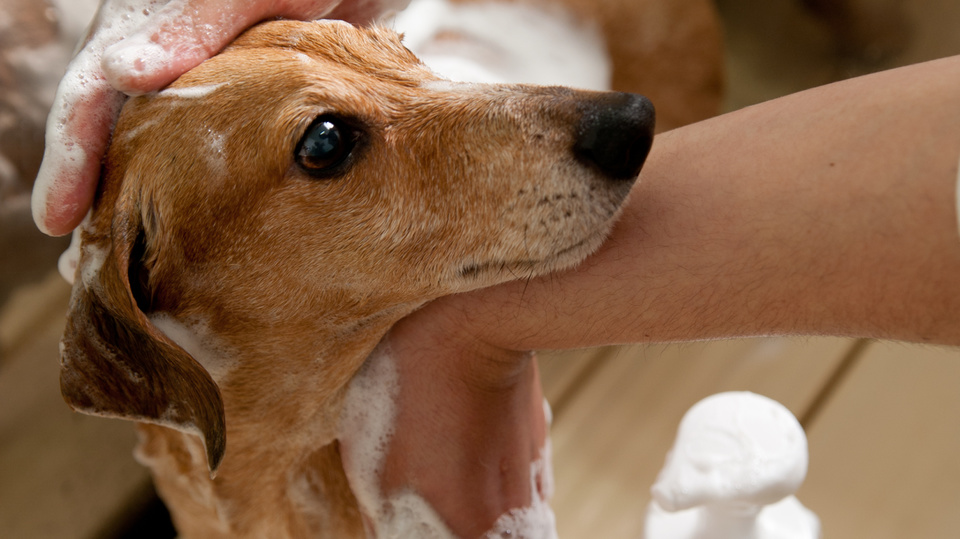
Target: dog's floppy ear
{"points": [[114, 361]]}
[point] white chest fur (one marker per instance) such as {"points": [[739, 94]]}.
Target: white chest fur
{"points": [[500, 42]]}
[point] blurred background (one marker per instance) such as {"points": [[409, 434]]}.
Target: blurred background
{"points": [[883, 419]]}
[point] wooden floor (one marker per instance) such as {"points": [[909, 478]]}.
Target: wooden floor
{"points": [[883, 423], [883, 419]]}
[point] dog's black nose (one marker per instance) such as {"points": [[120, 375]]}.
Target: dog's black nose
{"points": [[615, 134]]}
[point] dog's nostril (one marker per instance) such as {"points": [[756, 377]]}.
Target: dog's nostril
{"points": [[615, 135]]}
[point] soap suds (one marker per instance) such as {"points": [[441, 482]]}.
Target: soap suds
{"points": [[94, 258], [70, 259], [407, 515], [366, 426], [191, 92], [445, 85], [136, 130], [198, 341], [536, 521], [215, 156]]}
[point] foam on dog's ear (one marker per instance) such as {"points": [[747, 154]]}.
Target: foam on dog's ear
{"points": [[114, 362]]}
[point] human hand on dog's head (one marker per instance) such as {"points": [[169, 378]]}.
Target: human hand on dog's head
{"points": [[135, 47]]}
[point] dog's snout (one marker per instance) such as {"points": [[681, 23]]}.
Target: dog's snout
{"points": [[615, 134]]}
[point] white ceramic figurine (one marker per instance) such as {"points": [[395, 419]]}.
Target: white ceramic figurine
{"points": [[734, 467]]}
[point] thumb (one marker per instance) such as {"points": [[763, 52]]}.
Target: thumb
{"points": [[186, 32]]}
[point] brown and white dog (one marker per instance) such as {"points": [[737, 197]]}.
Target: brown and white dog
{"points": [[266, 219]]}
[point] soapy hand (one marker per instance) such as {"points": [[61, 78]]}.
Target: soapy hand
{"points": [[135, 47], [464, 450]]}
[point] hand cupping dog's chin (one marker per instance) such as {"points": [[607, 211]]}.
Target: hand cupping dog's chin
{"points": [[411, 443]]}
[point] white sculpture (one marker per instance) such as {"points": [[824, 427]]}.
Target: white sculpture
{"points": [[734, 467]]}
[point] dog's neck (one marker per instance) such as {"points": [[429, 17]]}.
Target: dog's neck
{"points": [[282, 475]]}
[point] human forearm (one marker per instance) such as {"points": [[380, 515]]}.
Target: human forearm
{"points": [[827, 212]]}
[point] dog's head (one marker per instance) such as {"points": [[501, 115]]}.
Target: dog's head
{"points": [[318, 174]]}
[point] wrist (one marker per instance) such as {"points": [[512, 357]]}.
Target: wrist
{"points": [[469, 425]]}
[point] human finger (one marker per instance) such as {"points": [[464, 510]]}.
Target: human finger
{"points": [[78, 129], [186, 32]]}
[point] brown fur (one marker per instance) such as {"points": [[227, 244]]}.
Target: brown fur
{"points": [[291, 280], [668, 50]]}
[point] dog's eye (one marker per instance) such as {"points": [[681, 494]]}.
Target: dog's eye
{"points": [[326, 145]]}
